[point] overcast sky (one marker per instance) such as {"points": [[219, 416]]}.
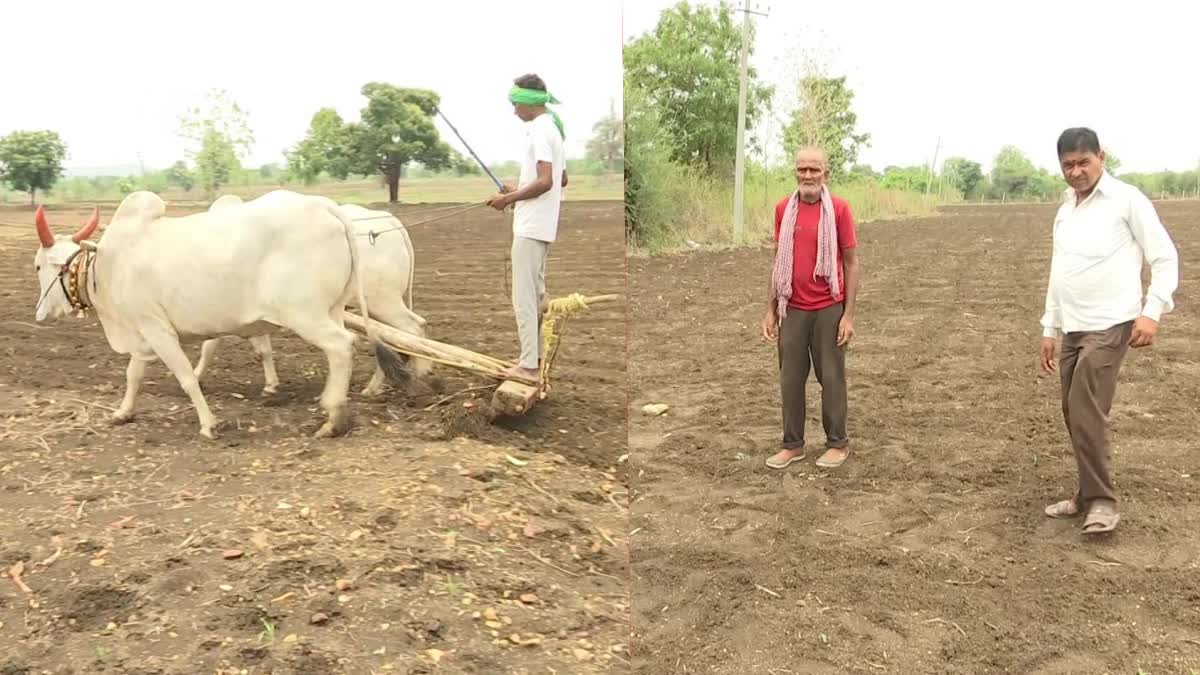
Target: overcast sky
{"points": [[112, 77], [982, 76]]}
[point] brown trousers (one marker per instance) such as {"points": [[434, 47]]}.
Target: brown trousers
{"points": [[808, 340], [1088, 364]]}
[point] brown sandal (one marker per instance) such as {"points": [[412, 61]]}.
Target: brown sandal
{"points": [[1101, 517], [1064, 509]]}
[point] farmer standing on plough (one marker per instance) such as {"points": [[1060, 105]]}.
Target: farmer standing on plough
{"points": [[1102, 233], [810, 307], [535, 215]]}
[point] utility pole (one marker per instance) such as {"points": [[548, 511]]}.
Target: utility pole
{"points": [[929, 180], [739, 170]]}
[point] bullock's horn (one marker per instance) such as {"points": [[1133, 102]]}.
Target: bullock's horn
{"points": [[88, 228], [43, 228]]}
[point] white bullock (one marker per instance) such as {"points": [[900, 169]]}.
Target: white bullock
{"points": [[156, 282], [387, 264]]}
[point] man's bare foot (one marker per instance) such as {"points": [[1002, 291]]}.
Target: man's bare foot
{"points": [[517, 371], [783, 458], [833, 457]]}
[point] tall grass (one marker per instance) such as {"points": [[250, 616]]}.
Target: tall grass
{"points": [[679, 205]]}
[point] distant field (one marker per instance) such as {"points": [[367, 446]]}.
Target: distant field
{"points": [[418, 190]]}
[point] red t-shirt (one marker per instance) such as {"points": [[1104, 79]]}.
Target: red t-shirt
{"points": [[809, 294]]}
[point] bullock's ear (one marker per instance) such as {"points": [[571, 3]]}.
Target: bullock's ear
{"points": [[43, 228], [88, 228]]}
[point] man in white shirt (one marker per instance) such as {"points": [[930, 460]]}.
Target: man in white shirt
{"points": [[1103, 232], [536, 204]]}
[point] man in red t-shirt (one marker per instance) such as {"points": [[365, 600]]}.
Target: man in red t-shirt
{"points": [[814, 289]]}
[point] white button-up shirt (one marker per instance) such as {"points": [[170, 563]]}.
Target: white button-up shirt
{"points": [[1096, 267]]}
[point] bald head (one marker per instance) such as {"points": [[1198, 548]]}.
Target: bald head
{"points": [[812, 153], [810, 167]]}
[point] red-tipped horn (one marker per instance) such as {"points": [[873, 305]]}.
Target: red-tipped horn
{"points": [[88, 228], [43, 228]]}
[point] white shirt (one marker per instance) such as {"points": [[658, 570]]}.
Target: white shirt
{"points": [[537, 218], [1096, 267]]}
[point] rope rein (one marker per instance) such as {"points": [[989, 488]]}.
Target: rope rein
{"points": [[374, 234]]}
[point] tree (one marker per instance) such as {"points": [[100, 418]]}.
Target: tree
{"points": [[1012, 172], [463, 166], [31, 161], [396, 128], [220, 136], [687, 69], [216, 162], [651, 178], [178, 174], [963, 174], [607, 144], [825, 118], [325, 148], [906, 178]]}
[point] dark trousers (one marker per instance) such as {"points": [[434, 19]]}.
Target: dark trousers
{"points": [[1089, 363], [808, 341]]}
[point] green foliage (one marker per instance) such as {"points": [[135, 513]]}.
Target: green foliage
{"points": [[1013, 174], [395, 130], [31, 160], [179, 175], [907, 178], [963, 175], [651, 176], [126, 185], [826, 119], [219, 132], [462, 165], [215, 162], [325, 149], [687, 69], [1166, 183], [607, 145]]}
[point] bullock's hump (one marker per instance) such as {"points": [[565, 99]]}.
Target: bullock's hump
{"points": [[139, 208], [225, 201]]}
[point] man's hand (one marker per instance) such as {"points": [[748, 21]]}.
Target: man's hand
{"points": [[845, 330], [505, 188], [770, 325], [1144, 331], [1049, 365], [498, 202]]}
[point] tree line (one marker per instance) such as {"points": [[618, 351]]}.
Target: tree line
{"points": [[394, 137], [681, 97]]}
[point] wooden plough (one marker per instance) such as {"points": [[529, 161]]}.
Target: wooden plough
{"points": [[514, 396]]}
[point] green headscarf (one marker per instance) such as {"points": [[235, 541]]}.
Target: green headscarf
{"points": [[535, 97]]}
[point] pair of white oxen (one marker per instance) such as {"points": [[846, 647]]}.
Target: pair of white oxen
{"points": [[283, 260]]}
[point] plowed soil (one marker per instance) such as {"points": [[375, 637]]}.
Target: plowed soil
{"points": [[927, 552], [427, 540]]}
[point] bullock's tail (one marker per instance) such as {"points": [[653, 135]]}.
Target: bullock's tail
{"points": [[394, 365]]}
